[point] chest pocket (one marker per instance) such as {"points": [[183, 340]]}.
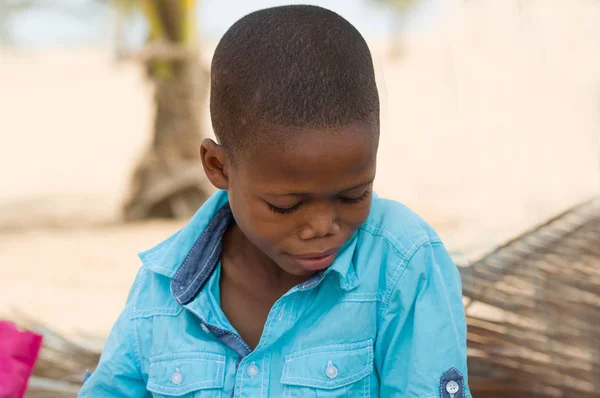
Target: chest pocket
{"points": [[187, 374], [341, 370]]}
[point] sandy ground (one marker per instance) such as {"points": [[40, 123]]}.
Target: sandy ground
{"points": [[489, 126], [77, 279]]}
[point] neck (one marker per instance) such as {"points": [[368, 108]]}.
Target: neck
{"points": [[245, 263]]}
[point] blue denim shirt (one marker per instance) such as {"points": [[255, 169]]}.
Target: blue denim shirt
{"points": [[386, 319]]}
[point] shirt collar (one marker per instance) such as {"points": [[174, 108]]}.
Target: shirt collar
{"points": [[343, 266], [190, 256]]}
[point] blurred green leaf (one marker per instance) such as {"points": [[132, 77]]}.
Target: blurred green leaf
{"points": [[399, 5]]}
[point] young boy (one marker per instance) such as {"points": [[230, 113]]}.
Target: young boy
{"points": [[293, 280]]}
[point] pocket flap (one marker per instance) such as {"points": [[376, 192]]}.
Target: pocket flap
{"points": [[180, 373], [329, 367]]}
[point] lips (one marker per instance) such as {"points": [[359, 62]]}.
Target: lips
{"points": [[314, 261]]}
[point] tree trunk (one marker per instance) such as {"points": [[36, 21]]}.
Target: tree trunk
{"points": [[168, 181]]}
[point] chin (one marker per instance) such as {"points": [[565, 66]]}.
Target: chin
{"points": [[297, 271]]}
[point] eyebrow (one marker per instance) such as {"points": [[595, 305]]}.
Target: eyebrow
{"points": [[303, 194]]}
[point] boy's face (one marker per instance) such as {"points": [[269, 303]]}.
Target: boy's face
{"points": [[299, 203]]}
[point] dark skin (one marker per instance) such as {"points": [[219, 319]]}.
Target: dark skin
{"points": [[298, 199]]}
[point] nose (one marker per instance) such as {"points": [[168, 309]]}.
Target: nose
{"points": [[320, 223]]}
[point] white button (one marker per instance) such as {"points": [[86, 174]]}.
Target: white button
{"points": [[177, 378], [205, 328], [331, 371], [452, 387], [252, 370]]}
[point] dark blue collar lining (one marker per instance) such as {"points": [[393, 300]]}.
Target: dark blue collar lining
{"points": [[202, 260]]}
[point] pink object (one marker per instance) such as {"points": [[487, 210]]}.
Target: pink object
{"points": [[18, 352]]}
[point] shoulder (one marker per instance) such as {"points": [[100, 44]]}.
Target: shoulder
{"points": [[388, 241], [399, 224]]}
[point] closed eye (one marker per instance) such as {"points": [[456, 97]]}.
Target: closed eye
{"points": [[357, 199], [346, 200], [284, 210]]}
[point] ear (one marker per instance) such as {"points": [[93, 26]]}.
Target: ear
{"points": [[215, 161]]}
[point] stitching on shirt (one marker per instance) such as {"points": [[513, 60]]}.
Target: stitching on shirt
{"points": [[314, 281], [337, 383], [441, 388], [351, 300], [367, 390], [291, 357], [191, 358], [150, 373], [271, 322], [183, 390], [137, 355], [292, 309], [190, 355], [209, 226], [390, 236], [386, 234], [155, 265], [366, 345], [406, 257], [262, 377], [221, 371], [363, 294], [201, 272], [241, 375], [281, 313], [165, 311], [159, 308], [361, 297], [445, 292], [267, 333], [402, 267]]}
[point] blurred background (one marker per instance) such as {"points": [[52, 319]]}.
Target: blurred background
{"points": [[103, 105]]}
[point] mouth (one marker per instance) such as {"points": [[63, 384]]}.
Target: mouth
{"points": [[314, 261]]}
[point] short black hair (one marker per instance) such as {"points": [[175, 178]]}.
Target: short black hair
{"points": [[297, 65]]}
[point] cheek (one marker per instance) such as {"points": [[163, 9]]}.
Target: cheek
{"points": [[353, 216], [263, 228]]}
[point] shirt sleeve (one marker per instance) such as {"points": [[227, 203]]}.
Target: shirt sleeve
{"points": [[421, 347], [118, 372]]}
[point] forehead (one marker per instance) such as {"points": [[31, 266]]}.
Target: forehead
{"points": [[314, 161]]}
